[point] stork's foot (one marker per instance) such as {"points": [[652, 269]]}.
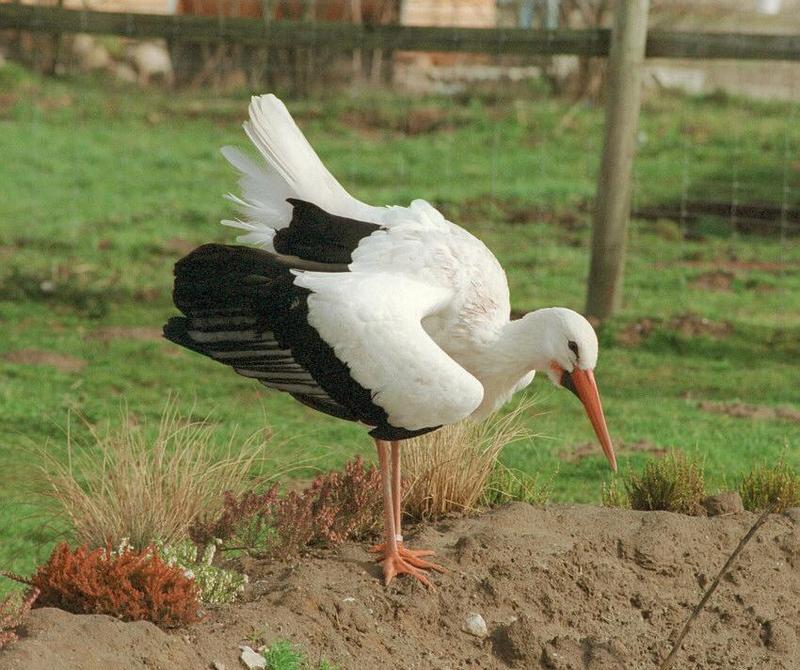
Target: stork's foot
{"points": [[395, 564], [411, 556]]}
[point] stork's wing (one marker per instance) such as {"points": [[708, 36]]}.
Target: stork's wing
{"points": [[373, 322]]}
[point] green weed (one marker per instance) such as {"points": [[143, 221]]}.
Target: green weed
{"points": [[775, 487], [673, 483], [283, 655]]}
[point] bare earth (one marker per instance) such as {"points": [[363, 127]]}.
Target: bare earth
{"points": [[560, 588]]}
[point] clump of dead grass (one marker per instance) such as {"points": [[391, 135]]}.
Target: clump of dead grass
{"points": [[449, 470], [770, 487], [128, 486], [673, 483]]}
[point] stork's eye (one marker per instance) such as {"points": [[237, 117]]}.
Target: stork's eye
{"points": [[573, 347]]}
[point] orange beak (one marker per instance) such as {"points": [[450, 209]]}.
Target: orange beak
{"points": [[582, 384]]}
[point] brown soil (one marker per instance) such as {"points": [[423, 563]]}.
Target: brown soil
{"points": [[747, 411], [420, 121], [139, 333], [734, 265], [560, 588], [588, 449], [688, 325], [61, 362], [714, 280]]}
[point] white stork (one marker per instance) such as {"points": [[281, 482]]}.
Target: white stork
{"points": [[390, 316]]}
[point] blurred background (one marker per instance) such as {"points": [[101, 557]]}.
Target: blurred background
{"points": [[111, 171]]}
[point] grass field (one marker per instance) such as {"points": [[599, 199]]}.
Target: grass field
{"points": [[102, 188]]}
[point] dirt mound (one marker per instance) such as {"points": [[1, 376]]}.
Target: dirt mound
{"points": [[560, 588]]}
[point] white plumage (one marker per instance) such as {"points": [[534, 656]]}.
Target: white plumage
{"points": [[422, 318]]}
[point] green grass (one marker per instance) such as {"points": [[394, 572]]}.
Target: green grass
{"points": [[104, 187], [282, 655]]}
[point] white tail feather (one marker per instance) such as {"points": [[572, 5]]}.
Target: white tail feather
{"points": [[293, 171]]}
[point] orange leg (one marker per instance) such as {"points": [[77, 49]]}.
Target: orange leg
{"points": [[411, 556], [393, 563]]}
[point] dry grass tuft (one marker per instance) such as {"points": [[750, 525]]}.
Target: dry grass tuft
{"points": [[765, 487], [145, 491], [673, 484], [449, 470]]}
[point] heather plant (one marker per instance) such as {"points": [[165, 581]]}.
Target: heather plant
{"points": [[217, 585], [13, 610], [337, 506], [129, 584], [145, 490], [770, 487]]}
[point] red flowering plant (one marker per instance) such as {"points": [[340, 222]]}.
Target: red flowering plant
{"points": [[336, 507]]}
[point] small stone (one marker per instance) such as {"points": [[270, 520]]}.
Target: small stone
{"points": [[728, 502], [216, 665], [475, 625], [251, 659]]}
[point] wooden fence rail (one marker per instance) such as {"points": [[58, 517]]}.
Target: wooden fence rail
{"points": [[284, 34]]}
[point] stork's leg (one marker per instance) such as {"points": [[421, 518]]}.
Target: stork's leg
{"points": [[396, 492], [393, 563], [412, 556]]}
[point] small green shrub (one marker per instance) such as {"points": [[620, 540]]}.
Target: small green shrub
{"points": [[673, 483], [614, 495], [283, 655], [508, 485], [776, 487]]}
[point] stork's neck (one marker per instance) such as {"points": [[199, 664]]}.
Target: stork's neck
{"points": [[524, 345]]}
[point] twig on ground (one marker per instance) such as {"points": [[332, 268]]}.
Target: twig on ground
{"points": [[668, 661]]}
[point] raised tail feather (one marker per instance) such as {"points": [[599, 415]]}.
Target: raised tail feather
{"points": [[293, 170]]}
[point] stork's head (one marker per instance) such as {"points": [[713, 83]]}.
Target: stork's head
{"points": [[570, 356]]}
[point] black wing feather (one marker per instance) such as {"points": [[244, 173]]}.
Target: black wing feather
{"points": [[242, 309], [315, 235]]}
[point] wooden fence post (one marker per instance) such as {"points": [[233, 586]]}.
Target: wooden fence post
{"points": [[612, 207]]}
